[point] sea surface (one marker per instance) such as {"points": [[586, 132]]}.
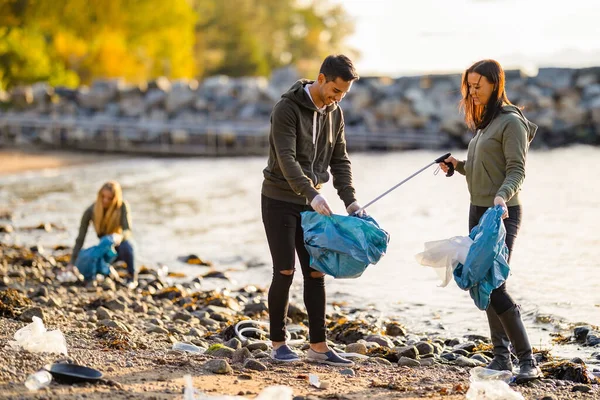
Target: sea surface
{"points": [[211, 208]]}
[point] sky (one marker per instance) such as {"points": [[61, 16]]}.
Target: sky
{"points": [[403, 37]]}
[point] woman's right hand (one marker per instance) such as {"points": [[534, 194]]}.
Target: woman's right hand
{"points": [[450, 159]]}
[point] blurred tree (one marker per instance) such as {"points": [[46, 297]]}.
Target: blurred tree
{"points": [[68, 42]]}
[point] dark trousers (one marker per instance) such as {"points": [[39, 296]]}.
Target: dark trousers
{"points": [[125, 254], [500, 300], [286, 239]]}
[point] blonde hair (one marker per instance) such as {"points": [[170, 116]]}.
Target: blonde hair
{"points": [[108, 221]]}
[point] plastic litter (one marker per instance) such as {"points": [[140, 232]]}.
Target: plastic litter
{"points": [[444, 255], [239, 332], [485, 268], [190, 348], [278, 392], [343, 246], [487, 384], [479, 374], [314, 381], [38, 380], [66, 276], [36, 339]]}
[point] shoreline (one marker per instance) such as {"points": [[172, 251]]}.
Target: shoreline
{"points": [[128, 335], [18, 160]]}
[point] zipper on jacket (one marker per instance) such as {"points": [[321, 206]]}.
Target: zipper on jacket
{"points": [[312, 164]]}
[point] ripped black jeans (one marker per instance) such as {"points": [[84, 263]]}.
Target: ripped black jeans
{"points": [[500, 300], [284, 234]]}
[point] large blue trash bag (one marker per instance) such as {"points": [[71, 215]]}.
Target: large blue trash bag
{"points": [[485, 267], [96, 259], [343, 246]]}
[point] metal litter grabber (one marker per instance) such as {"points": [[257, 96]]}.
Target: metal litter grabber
{"points": [[436, 161]]}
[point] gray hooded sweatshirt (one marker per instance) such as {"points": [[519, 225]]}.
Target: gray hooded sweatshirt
{"points": [[304, 143], [495, 164]]}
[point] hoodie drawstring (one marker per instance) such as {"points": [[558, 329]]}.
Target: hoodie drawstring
{"points": [[315, 127], [330, 130]]}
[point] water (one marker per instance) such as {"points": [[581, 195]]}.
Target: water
{"points": [[212, 208]]}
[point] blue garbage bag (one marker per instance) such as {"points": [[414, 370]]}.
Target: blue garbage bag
{"points": [[343, 246], [96, 259], [486, 266]]}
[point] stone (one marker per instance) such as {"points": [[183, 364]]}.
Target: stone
{"points": [[254, 365], [356, 348], [103, 313], [408, 362], [424, 348], [408, 351], [240, 355], [218, 366], [28, 314]]}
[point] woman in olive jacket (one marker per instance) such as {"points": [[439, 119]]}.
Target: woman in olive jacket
{"points": [[495, 171]]}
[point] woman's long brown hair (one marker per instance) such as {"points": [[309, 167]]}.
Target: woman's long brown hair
{"points": [[108, 221], [478, 117]]}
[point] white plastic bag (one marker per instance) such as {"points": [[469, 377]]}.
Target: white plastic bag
{"points": [[444, 255], [487, 384], [36, 339]]}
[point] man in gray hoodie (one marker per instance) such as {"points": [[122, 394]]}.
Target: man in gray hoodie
{"points": [[306, 139]]}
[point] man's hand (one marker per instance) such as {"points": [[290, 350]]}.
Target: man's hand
{"points": [[320, 205], [499, 201], [354, 207]]}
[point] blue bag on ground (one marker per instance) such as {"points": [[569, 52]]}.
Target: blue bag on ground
{"points": [[485, 268], [96, 259], [343, 246]]}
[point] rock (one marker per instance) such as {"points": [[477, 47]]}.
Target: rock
{"points": [[408, 362], [408, 351], [581, 333], [103, 313], [463, 361], [379, 360], [240, 355], [28, 314], [424, 348], [581, 388], [548, 397], [381, 340], [218, 366], [395, 329], [156, 329], [468, 347], [197, 332], [254, 365], [182, 315], [481, 358], [115, 305], [55, 302], [233, 343], [258, 346], [114, 324], [348, 372], [427, 362], [5, 228], [221, 352], [256, 307], [356, 348]]}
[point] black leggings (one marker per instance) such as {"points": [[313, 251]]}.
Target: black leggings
{"points": [[500, 300], [285, 236]]}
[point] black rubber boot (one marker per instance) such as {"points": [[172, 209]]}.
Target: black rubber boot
{"points": [[514, 328], [501, 360]]}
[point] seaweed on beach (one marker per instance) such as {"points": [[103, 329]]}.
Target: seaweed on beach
{"points": [[12, 303], [569, 371], [347, 332], [383, 352], [114, 338]]}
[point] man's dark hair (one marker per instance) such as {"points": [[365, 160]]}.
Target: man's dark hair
{"points": [[338, 66]]}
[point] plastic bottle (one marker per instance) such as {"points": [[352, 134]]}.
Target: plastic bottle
{"points": [[38, 380], [189, 393], [479, 374], [188, 347]]}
